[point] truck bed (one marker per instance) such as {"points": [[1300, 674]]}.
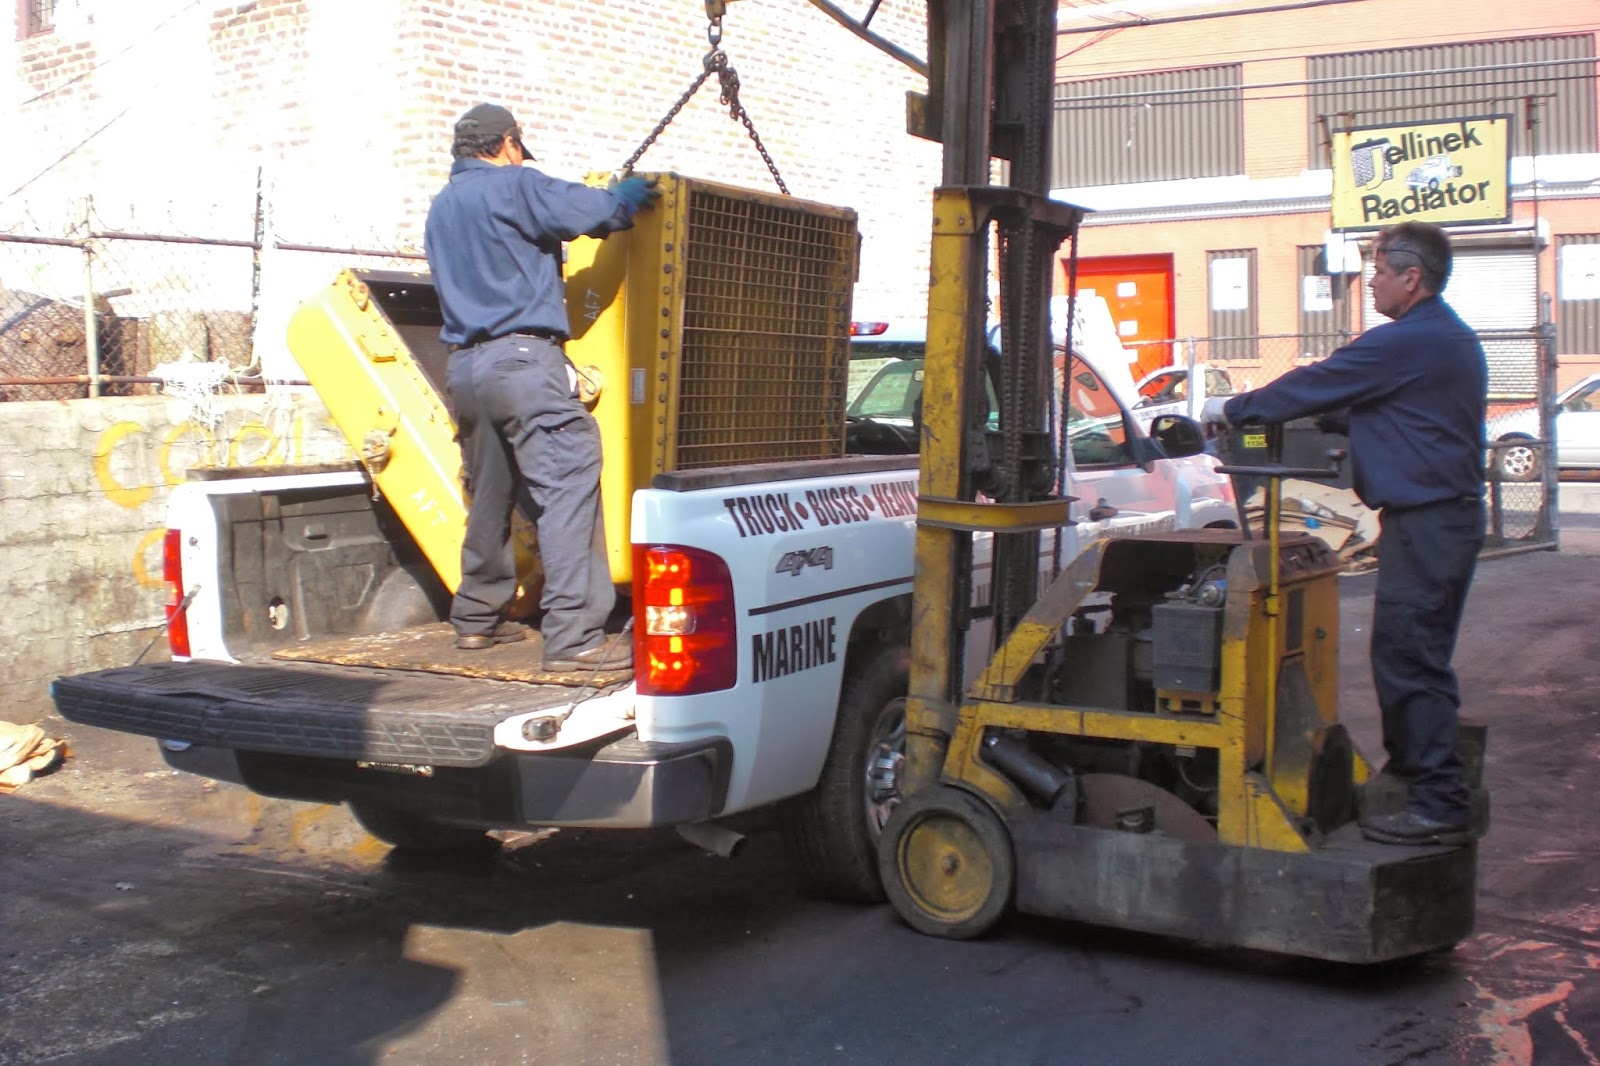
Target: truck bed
{"points": [[431, 649]]}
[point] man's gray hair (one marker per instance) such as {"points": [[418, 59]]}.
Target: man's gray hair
{"points": [[1419, 244]]}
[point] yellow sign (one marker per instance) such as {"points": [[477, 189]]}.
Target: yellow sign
{"points": [[1450, 172]]}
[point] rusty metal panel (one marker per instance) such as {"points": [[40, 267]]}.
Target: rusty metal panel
{"points": [[1577, 305], [1399, 85], [1156, 126]]}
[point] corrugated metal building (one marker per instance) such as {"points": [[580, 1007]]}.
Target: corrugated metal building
{"points": [[1201, 137]]}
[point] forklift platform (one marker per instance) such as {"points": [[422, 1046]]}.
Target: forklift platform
{"points": [[1350, 901]]}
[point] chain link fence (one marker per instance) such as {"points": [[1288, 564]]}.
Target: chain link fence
{"points": [[90, 307], [1520, 470]]}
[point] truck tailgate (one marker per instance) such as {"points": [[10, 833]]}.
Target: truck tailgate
{"points": [[327, 711]]}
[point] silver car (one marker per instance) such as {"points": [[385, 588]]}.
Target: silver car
{"points": [[1576, 434]]}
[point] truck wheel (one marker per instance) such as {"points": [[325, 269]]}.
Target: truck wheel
{"points": [[1518, 459], [948, 864], [833, 830], [416, 834]]}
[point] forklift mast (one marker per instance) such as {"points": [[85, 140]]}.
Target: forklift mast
{"points": [[991, 76]]}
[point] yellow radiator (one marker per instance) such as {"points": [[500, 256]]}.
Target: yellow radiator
{"points": [[716, 332]]}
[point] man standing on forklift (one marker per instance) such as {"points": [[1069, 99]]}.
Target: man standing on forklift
{"points": [[1414, 392], [494, 244]]}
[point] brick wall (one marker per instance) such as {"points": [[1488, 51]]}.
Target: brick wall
{"points": [[347, 106], [589, 79]]}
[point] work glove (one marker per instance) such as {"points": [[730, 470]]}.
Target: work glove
{"points": [[1212, 414], [1335, 422], [636, 192]]}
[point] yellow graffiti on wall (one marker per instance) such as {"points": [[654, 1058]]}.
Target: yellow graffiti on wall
{"points": [[185, 445], [143, 574], [177, 449]]}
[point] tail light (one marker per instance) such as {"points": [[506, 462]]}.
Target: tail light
{"points": [[868, 329], [177, 610], [685, 637]]}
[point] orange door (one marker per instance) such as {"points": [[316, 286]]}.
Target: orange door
{"points": [[1138, 289]]}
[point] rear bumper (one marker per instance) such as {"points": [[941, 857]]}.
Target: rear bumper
{"points": [[623, 784], [405, 739]]}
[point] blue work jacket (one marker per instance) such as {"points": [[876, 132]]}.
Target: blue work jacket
{"points": [[493, 241], [1416, 389]]}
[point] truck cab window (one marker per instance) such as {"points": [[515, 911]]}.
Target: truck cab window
{"points": [[892, 392], [1097, 431]]}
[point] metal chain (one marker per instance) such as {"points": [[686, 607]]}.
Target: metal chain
{"points": [[715, 62]]}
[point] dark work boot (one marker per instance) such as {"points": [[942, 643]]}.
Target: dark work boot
{"points": [[613, 654], [504, 633], [1410, 828]]}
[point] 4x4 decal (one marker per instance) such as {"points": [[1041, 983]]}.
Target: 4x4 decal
{"points": [[794, 562]]}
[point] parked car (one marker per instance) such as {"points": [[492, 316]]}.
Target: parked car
{"points": [[1168, 391], [1576, 434]]}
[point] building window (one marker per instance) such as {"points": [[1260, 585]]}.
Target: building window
{"points": [[1231, 290], [36, 17], [1159, 126], [1321, 300], [1440, 82], [1578, 294]]}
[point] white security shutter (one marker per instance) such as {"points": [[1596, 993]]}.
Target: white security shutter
{"points": [[1494, 290]]}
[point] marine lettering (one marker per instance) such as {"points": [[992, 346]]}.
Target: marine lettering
{"points": [[790, 649]]}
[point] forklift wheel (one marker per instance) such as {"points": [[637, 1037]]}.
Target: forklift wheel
{"points": [[947, 864]]}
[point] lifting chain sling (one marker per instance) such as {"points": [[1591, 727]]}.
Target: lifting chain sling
{"points": [[715, 62]]}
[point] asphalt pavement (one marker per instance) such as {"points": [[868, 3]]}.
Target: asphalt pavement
{"points": [[153, 917]]}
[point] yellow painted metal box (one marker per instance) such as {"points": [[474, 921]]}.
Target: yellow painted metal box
{"points": [[714, 332]]}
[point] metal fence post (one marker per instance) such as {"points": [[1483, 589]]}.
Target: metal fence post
{"points": [[1193, 390], [91, 333], [1547, 421]]}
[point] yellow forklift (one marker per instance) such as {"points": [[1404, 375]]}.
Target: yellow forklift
{"points": [[1154, 743]]}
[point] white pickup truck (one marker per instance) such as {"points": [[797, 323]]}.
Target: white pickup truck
{"points": [[1179, 390], [799, 584]]}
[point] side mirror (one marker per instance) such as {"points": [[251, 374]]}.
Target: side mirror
{"points": [[1178, 436]]}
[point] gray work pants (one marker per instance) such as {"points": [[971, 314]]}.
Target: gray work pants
{"points": [[520, 424]]}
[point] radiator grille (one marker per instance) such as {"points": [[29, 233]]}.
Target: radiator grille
{"points": [[765, 346]]}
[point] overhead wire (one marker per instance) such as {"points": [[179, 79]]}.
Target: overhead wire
{"points": [[135, 43], [1139, 21], [67, 155], [1345, 84]]}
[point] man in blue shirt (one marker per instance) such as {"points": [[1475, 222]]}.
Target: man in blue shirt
{"points": [[1415, 391], [494, 244]]}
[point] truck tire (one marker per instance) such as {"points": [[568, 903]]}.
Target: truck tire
{"points": [[1517, 459], [416, 834], [833, 830]]}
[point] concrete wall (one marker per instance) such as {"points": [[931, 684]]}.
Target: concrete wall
{"points": [[83, 492]]}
